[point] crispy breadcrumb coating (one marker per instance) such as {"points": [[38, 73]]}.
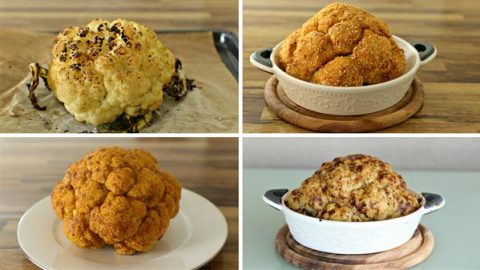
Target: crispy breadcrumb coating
{"points": [[362, 41], [341, 71], [117, 197], [354, 188]]}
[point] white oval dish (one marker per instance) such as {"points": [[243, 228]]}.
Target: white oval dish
{"points": [[347, 100], [191, 240], [351, 237]]}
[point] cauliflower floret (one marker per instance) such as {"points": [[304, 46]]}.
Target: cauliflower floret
{"points": [[341, 71], [354, 188], [117, 197], [338, 40], [108, 69]]}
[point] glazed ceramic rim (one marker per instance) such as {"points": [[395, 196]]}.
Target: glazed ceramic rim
{"points": [[339, 89]]}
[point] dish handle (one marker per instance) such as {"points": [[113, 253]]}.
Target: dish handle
{"points": [[261, 60], [425, 50], [273, 198], [433, 202]]}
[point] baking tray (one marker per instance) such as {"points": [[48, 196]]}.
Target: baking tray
{"points": [[226, 43]]}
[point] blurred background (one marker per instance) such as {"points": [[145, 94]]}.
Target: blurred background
{"points": [[411, 153], [55, 15], [31, 167]]}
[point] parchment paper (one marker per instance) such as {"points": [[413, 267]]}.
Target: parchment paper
{"points": [[211, 107]]}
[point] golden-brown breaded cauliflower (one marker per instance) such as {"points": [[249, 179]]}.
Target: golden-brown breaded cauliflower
{"points": [[342, 45], [108, 69], [117, 197], [354, 188]]}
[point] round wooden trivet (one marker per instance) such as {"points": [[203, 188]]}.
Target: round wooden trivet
{"points": [[413, 252], [287, 110]]}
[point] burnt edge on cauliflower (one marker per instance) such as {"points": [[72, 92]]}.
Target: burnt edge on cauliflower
{"points": [[179, 85], [178, 88], [126, 123], [36, 71]]}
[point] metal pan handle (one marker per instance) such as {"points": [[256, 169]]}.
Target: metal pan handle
{"points": [[433, 202], [273, 197], [261, 60], [426, 51]]}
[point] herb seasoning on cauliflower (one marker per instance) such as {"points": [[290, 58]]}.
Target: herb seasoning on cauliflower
{"points": [[354, 188], [110, 71], [342, 45], [117, 197]]}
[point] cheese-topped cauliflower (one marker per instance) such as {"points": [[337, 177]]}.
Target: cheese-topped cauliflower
{"points": [[117, 197], [354, 188], [108, 69], [342, 45]]}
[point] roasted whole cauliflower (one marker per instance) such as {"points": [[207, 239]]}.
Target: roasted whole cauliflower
{"points": [[108, 70], [117, 197], [354, 188], [342, 45]]}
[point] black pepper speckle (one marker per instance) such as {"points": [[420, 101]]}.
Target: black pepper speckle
{"points": [[76, 66], [114, 29], [83, 32], [110, 42]]}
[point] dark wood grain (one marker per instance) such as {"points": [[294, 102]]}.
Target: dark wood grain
{"points": [[451, 80], [281, 105], [414, 251], [31, 167]]}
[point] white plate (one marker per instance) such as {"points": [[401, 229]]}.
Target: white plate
{"points": [[193, 238]]}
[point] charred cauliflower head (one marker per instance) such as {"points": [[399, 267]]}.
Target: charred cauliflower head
{"points": [[342, 45], [107, 70], [117, 197], [354, 188]]}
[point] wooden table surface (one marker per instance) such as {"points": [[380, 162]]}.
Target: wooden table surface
{"points": [[55, 15], [31, 167], [451, 80]]}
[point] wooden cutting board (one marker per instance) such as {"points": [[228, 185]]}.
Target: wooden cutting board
{"points": [[286, 109], [413, 252]]}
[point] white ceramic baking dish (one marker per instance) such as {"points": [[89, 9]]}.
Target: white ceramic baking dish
{"points": [[348, 100], [351, 237]]}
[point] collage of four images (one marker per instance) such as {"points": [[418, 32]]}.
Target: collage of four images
{"points": [[239, 134]]}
